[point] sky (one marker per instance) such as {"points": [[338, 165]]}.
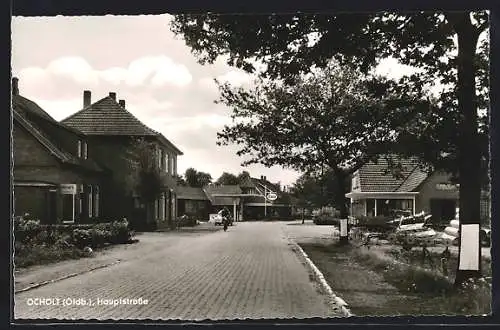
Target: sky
{"points": [[139, 58]]}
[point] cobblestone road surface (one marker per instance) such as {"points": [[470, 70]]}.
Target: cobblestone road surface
{"points": [[250, 271]]}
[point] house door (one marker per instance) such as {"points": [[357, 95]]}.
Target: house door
{"points": [[443, 210], [68, 208], [52, 206]]}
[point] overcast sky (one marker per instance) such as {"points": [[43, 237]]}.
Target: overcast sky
{"points": [[139, 58]]}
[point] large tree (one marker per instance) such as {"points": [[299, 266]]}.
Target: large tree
{"points": [[291, 44], [335, 119], [196, 178], [316, 189], [227, 179]]}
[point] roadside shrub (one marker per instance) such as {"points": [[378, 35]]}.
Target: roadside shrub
{"points": [[187, 221], [324, 219], [26, 229], [120, 232], [98, 237], [82, 238], [378, 223], [28, 254]]}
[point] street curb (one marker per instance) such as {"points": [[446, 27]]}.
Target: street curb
{"points": [[37, 285], [337, 302]]}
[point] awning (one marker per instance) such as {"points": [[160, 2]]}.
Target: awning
{"points": [[381, 195]]}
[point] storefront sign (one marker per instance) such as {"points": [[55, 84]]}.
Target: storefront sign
{"points": [[67, 189], [446, 186]]}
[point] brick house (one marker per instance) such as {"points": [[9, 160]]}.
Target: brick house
{"points": [[112, 130], [375, 192], [54, 179]]}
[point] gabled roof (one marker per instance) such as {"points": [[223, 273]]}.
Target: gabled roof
{"points": [[45, 140], [212, 190], [107, 117], [373, 176], [28, 107], [416, 177], [191, 193]]}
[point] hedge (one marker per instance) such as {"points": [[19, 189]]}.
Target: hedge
{"points": [[30, 231]]}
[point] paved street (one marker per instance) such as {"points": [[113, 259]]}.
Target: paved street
{"points": [[250, 271]]}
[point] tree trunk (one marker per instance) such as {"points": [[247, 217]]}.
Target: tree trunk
{"points": [[469, 152], [341, 191]]}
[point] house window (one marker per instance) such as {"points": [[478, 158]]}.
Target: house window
{"points": [[90, 201], [162, 207], [84, 150], [79, 148], [167, 162], [160, 159], [175, 166], [96, 201], [370, 207], [173, 205], [171, 168], [81, 196]]}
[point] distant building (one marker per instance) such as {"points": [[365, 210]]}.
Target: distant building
{"points": [[374, 192], [246, 201], [55, 180], [111, 130]]}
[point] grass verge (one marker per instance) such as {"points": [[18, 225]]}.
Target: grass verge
{"points": [[375, 284], [26, 255]]}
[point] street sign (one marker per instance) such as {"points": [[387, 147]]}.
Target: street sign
{"points": [[272, 196], [67, 189]]}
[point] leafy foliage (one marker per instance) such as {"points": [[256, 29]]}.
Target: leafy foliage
{"points": [[195, 178], [227, 179], [316, 189], [334, 118], [144, 177]]}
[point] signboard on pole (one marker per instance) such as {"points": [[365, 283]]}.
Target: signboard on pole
{"points": [[272, 196], [343, 228]]}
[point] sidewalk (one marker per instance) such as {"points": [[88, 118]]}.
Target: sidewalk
{"points": [[27, 278]]}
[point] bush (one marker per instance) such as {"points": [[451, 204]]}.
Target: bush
{"points": [[378, 223], [324, 219], [120, 232], [82, 238], [28, 254], [187, 221], [26, 229]]}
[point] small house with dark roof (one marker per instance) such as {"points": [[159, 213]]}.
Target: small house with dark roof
{"points": [[246, 201], [193, 201], [55, 180], [112, 130], [377, 192]]}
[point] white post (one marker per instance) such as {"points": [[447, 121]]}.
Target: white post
{"points": [[234, 209], [375, 207]]}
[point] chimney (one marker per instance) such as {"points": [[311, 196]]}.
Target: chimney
{"points": [[112, 95], [86, 98], [122, 103], [15, 86]]}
